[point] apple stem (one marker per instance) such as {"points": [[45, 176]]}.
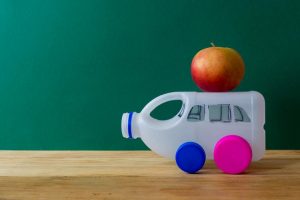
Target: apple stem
{"points": [[212, 44]]}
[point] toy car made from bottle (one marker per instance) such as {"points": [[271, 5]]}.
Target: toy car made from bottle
{"points": [[226, 127]]}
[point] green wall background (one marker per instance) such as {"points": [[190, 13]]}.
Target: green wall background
{"points": [[69, 69]]}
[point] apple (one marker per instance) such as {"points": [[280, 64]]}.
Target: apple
{"points": [[217, 69]]}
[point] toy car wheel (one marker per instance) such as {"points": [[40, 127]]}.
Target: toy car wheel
{"points": [[190, 157], [232, 154]]}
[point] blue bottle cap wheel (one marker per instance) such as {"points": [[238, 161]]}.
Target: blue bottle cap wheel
{"points": [[190, 157]]}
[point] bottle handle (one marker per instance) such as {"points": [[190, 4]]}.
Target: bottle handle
{"points": [[163, 99]]}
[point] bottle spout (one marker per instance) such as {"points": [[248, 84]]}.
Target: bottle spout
{"points": [[128, 125]]}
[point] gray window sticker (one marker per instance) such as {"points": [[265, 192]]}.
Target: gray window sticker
{"points": [[237, 114], [240, 114], [214, 112], [219, 113], [196, 113], [225, 114]]}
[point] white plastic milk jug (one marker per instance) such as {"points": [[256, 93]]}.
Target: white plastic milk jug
{"points": [[227, 127]]}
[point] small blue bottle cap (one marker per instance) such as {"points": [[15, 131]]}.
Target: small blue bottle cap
{"points": [[190, 157]]}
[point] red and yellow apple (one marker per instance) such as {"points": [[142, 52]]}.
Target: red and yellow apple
{"points": [[217, 69]]}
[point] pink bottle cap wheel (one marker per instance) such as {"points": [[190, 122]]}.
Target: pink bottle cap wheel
{"points": [[232, 154]]}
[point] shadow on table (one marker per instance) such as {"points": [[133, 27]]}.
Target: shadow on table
{"points": [[272, 166]]}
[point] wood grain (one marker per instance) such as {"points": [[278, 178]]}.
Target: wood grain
{"points": [[140, 175]]}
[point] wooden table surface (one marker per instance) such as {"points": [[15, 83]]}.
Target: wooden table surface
{"points": [[140, 175]]}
